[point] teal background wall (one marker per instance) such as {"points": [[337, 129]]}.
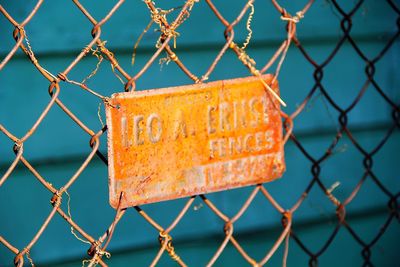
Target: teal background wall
{"points": [[58, 33]]}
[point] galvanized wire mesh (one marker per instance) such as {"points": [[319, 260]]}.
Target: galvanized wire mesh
{"points": [[169, 31]]}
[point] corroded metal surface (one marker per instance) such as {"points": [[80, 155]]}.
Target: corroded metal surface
{"points": [[188, 140]]}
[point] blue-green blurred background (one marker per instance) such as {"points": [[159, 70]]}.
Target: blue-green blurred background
{"points": [[59, 31]]}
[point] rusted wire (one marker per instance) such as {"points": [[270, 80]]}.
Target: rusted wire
{"points": [[169, 30]]}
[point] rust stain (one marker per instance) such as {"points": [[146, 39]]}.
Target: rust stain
{"points": [[181, 141]]}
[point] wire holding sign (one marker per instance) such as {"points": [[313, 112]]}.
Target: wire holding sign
{"points": [[243, 132]]}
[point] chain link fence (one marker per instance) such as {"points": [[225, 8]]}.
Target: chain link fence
{"points": [[168, 21]]}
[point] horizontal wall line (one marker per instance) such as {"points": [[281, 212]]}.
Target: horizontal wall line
{"points": [[304, 134], [190, 47], [246, 235]]}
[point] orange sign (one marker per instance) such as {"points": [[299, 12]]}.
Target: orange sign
{"points": [[182, 141]]}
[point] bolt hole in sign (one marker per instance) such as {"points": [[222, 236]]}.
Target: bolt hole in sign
{"points": [[188, 140]]}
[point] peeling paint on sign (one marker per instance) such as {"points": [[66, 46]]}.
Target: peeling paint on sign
{"points": [[182, 141]]}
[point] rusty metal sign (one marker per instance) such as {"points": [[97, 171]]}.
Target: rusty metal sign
{"points": [[182, 141]]}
